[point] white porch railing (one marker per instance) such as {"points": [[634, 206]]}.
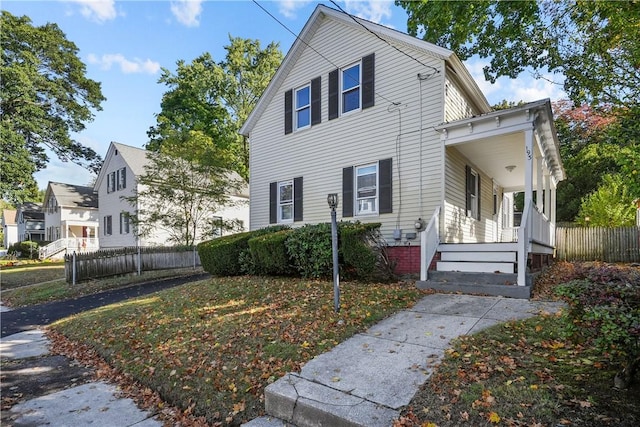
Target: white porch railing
{"points": [[524, 244], [542, 231], [82, 244], [534, 227], [429, 241]]}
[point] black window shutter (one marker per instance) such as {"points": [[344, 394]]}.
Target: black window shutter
{"points": [[273, 203], [385, 169], [297, 199], [347, 192], [316, 101], [288, 112], [333, 94], [478, 196], [467, 189], [368, 81], [124, 177]]}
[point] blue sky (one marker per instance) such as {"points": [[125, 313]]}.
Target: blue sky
{"points": [[124, 45]]}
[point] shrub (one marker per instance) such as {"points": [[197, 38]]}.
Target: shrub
{"points": [[269, 254], [229, 255], [604, 311], [358, 246], [26, 249], [309, 248]]}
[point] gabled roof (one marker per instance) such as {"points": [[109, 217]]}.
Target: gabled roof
{"points": [[72, 196], [136, 158], [9, 216], [394, 37], [31, 211]]}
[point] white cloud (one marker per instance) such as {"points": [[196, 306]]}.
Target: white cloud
{"points": [[523, 88], [97, 10], [187, 12], [126, 66], [371, 10], [288, 8]]}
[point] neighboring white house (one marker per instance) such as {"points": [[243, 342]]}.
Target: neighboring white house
{"points": [[118, 181], [70, 219], [400, 130], [9, 227], [30, 219]]}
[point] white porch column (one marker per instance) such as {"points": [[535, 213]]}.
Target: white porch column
{"points": [[547, 194], [539, 196], [524, 230]]}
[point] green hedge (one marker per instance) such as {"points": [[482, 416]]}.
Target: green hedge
{"points": [[358, 250], [269, 254], [309, 248], [228, 255]]}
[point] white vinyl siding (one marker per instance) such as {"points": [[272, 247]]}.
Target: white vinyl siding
{"points": [[354, 139], [456, 105], [457, 227]]}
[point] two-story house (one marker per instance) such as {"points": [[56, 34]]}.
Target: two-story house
{"points": [[70, 219], [30, 219], [400, 130], [116, 187]]}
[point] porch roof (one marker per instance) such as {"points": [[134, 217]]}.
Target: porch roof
{"points": [[495, 142]]}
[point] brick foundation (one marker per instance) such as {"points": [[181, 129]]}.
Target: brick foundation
{"points": [[407, 259]]}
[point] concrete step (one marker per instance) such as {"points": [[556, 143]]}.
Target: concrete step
{"points": [[478, 267], [479, 256], [509, 291], [478, 247], [473, 278]]}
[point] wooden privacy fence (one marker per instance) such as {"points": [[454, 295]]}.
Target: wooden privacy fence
{"points": [[114, 262], [620, 244]]}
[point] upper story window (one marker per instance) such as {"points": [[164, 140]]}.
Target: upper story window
{"points": [[367, 189], [303, 107], [111, 182], [122, 178], [351, 88]]}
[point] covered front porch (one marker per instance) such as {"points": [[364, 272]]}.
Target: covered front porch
{"points": [[489, 159]]}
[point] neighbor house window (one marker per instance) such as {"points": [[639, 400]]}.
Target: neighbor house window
{"points": [[285, 201], [107, 225], [350, 89], [124, 222], [111, 182], [122, 178], [303, 107], [472, 193]]}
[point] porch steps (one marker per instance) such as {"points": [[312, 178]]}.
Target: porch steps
{"points": [[477, 268], [495, 284], [478, 257]]}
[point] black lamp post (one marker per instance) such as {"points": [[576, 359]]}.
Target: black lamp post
{"points": [[332, 200]]}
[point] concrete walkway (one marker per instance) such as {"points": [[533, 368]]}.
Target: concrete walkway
{"points": [[364, 381], [368, 379], [94, 403]]}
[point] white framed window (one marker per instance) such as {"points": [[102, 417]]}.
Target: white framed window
{"points": [[111, 182], [107, 225], [285, 201], [122, 178], [303, 107], [351, 79], [473, 194], [366, 186], [124, 222]]}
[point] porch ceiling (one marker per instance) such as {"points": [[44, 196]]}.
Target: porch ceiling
{"points": [[493, 155]]}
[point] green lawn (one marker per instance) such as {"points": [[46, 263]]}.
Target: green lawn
{"points": [[211, 347], [28, 273]]}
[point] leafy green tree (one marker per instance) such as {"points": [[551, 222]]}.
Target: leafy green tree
{"points": [[611, 205], [216, 99], [594, 143], [180, 195], [44, 97], [595, 44]]}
